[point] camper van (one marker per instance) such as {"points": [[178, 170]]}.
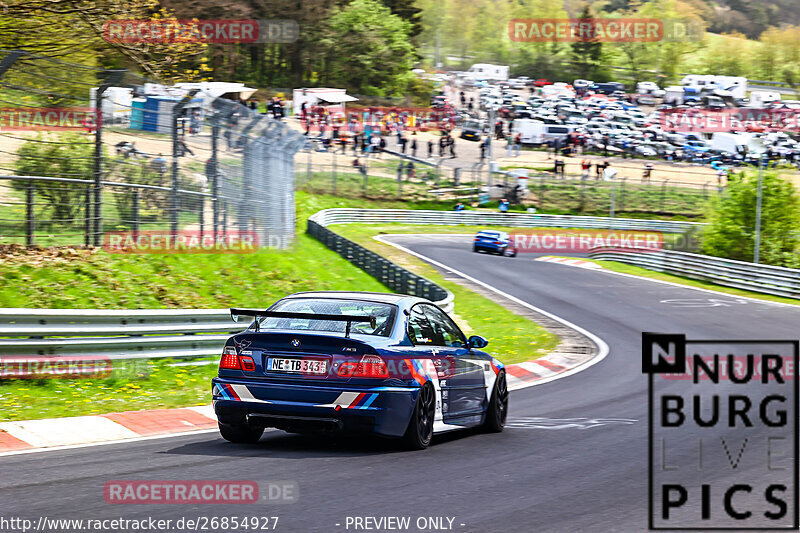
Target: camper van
{"points": [[537, 132], [736, 85], [759, 99], [486, 71]]}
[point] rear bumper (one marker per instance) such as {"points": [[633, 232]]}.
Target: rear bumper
{"points": [[489, 248], [377, 410]]}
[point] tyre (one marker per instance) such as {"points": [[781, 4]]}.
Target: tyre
{"points": [[420, 428], [509, 253], [497, 412], [475, 249], [240, 434]]}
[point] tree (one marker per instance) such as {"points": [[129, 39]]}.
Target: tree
{"points": [[587, 51], [732, 218], [369, 49], [407, 10]]}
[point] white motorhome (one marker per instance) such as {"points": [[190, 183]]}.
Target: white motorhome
{"points": [[487, 71], [760, 99], [538, 132], [674, 95], [736, 85]]}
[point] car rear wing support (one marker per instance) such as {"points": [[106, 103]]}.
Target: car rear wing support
{"points": [[258, 313]]}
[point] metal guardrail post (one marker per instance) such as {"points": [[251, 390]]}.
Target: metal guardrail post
{"points": [[30, 224], [9, 60]]}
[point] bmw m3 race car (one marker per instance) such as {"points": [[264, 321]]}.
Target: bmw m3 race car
{"points": [[496, 242], [384, 364]]}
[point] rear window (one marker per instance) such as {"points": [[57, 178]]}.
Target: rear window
{"points": [[489, 234], [384, 314]]}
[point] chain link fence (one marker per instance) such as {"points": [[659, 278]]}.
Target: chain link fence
{"points": [[88, 153]]}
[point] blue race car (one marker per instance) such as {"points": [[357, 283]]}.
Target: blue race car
{"points": [[495, 242], [384, 364]]}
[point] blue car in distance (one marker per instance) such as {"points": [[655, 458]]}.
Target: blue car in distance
{"points": [[382, 364], [495, 242]]}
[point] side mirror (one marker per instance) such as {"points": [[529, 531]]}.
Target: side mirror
{"points": [[476, 341]]}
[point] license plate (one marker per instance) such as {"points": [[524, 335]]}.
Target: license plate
{"points": [[303, 366]]}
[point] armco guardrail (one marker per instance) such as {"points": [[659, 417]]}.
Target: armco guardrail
{"points": [[481, 218], [766, 279], [117, 334]]}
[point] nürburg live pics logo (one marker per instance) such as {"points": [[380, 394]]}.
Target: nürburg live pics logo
{"points": [[723, 433]]}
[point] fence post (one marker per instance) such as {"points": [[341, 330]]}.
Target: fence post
{"points": [[201, 215], [136, 213], [214, 175], [622, 194], [582, 195], [87, 237], [334, 172], [176, 113], [112, 77], [400, 178], [663, 193], [541, 191], [30, 225]]}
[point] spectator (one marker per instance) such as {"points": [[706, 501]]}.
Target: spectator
{"points": [[559, 166], [182, 148], [382, 144], [504, 205], [483, 149], [452, 143], [403, 143], [648, 170], [411, 172], [601, 168], [414, 147], [510, 144], [459, 207], [430, 148], [160, 164], [585, 168], [518, 144], [442, 144]]}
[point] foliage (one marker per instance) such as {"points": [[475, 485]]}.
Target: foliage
{"points": [[72, 30], [732, 220], [369, 49]]}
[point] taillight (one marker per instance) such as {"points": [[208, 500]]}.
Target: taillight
{"points": [[370, 366], [229, 359], [247, 363], [498, 242]]}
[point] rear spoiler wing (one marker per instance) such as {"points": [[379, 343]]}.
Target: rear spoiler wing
{"points": [[256, 313]]}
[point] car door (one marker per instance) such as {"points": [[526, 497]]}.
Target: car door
{"points": [[462, 380]]}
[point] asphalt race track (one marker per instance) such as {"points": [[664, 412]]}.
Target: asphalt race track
{"points": [[574, 457]]}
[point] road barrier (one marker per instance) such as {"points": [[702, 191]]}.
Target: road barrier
{"points": [[778, 281]]}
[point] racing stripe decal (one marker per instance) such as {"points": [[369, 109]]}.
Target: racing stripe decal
{"points": [[353, 400]]}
